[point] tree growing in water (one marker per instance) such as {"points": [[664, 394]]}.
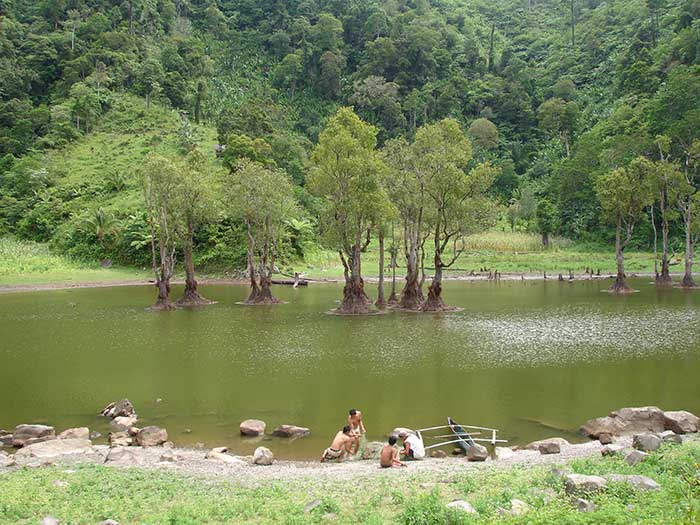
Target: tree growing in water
{"points": [[264, 199], [405, 185], [623, 194], [458, 200], [686, 193], [158, 178], [347, 179], [194, 200]]}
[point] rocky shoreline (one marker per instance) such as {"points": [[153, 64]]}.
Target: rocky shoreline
{"points": [[630, 432]]}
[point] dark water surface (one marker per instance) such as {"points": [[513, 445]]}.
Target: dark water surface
{"points": [[527, 358]]}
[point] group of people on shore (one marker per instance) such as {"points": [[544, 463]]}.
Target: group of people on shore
{"points": [[347, 443]]}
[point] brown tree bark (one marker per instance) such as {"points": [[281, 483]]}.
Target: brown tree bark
{"points": [[664, 278], [620, 285], [412, 293], [434, 302], [355, 300], [393, 299], [688, 281], [190, 295], [261, 291], [381, 302], [254, 289]]}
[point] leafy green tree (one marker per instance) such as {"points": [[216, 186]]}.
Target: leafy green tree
{"points": [[459, 200], [559, 117], [346, 178], [159, 179], [547, 220], [623, 194], [263, 198], [483, 134], [243, 147], [379, 103], [103, 225], [288, 72], [195, 200]]}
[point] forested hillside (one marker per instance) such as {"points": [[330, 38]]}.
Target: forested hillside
{"points": [[552, 95]]}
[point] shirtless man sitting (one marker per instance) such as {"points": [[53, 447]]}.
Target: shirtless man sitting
{"points": [[389, 456], [340, 447], [357, 427]]}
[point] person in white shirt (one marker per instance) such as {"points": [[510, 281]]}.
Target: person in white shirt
{"points": [[412, 445]]}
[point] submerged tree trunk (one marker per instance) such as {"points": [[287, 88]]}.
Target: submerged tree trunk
{"points": [[262, 292], [190, 296], [381, 302], [355, 300], [664, 278], [434, 302], [620, 285], [688, 281], [412, 293], [393, 299], [254, 289]]}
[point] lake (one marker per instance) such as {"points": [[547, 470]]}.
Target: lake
{"points": [[533, 359]]}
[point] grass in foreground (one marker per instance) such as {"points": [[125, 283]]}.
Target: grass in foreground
{"points": [[95, 493], [27, 263]]}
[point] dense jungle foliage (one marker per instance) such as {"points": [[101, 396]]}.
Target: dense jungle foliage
{"points": [[553, 93]]}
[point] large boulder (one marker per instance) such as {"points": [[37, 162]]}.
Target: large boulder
{"points": [[151, 436], [6, 461], [263, 456], [681, 422], [582, 484], [626, 421], [252, 427], [641, 483], [477, 453], [646, 442], [75, 433], [56, 447], [669, 436], [122, 423], [535, 445], [289, 431], [24, 433], [6, 440], [123, 407], [583, 505], [120, 439]]}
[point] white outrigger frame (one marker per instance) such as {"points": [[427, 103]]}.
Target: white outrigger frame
{"points": [[493, 431]]}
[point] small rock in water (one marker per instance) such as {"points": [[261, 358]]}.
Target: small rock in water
{"points": [[311, 505], [220, 450], [289, 431], [151, 436], [95, 435], [646, 442], [462, 505], [187, 431], [263, 456], [252, 427], [75, 433], [24, 433], [583, 505], [122, 407], [159, 401], [635, 457]]}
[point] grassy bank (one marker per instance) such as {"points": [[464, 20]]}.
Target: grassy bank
{"points": [[506, 252], [28, 263], [90, 494]]}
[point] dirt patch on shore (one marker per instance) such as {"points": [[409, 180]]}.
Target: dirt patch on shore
{"points": [[192, 463]]}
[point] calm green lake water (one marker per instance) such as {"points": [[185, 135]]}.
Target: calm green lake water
{"points": [[527, 358]]}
